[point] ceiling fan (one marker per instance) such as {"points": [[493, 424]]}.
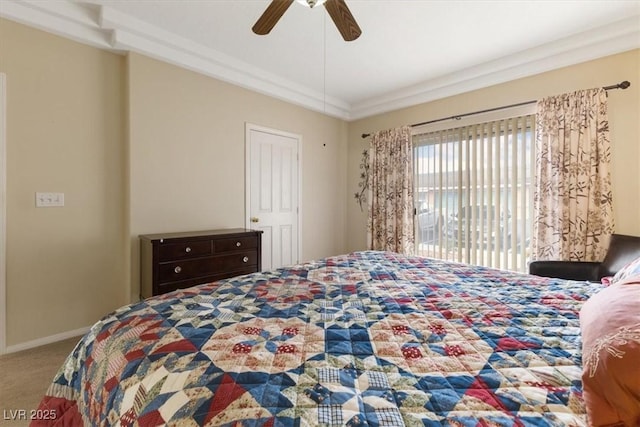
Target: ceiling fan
{"points": [[337, 9]]}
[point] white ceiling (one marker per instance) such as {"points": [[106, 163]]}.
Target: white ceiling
{"points": [[410, 51]]}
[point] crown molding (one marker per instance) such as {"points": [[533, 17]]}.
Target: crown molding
{"points": [[63, 18], [130, 34], [107, 28], [607, 40]]}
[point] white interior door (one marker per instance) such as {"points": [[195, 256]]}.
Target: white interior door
{"points": [[273, 199]]}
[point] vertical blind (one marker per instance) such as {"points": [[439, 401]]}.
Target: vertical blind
{"points": [[474, 193]]}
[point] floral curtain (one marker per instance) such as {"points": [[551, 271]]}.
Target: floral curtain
{"points": [[390, 219], [573, 211]]}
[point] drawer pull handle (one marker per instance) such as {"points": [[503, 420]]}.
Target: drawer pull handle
{"points": [[238, 244], [187, 249], [245, 259], [178, 269]]}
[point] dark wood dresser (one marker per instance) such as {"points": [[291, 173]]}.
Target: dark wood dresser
{"points": [[171, 261]]}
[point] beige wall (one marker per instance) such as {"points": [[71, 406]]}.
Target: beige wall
{"points": [[137, 146], [65, 101], [187, 144], [624, 114]]}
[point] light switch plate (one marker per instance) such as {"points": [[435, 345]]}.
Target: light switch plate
{"points": [[48, 200]]}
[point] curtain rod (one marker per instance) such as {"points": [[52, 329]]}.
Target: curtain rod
{"points": [[622, 85]]}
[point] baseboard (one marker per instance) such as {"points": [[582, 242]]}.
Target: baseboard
{"points": [[46, 340]]}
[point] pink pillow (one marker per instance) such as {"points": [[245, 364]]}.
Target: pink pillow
{"points": [[610, 326]]}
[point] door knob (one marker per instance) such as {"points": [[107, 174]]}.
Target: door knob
{"points": [[254, 219]]}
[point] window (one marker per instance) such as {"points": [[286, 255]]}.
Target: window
{"points": [[474, 193]]}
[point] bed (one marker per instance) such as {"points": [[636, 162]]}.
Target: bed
{"points": [[364, 339]]}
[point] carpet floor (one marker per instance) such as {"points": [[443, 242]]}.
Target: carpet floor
{"points": [[25, 377]]}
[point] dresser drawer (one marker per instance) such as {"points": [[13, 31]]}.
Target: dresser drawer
{"points": [[172, 286], [170, 261], [193, 249], [202, 267], [235, 244]]}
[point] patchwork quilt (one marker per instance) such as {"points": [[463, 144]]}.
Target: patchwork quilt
{"points": [[364, 339]]}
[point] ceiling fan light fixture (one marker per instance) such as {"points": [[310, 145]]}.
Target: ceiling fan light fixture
{"points": [[311, 3]]}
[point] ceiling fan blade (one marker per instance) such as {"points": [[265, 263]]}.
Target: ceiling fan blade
{"points": [[271, 16], [343, 19]]}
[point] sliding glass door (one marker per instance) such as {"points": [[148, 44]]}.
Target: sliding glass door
{"points": [[474, 193]]}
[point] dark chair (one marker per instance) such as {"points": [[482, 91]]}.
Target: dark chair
{"points": [[622, 250]]}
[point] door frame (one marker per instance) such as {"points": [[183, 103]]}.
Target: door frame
{"points": [[247, 187], [3, 213]]}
